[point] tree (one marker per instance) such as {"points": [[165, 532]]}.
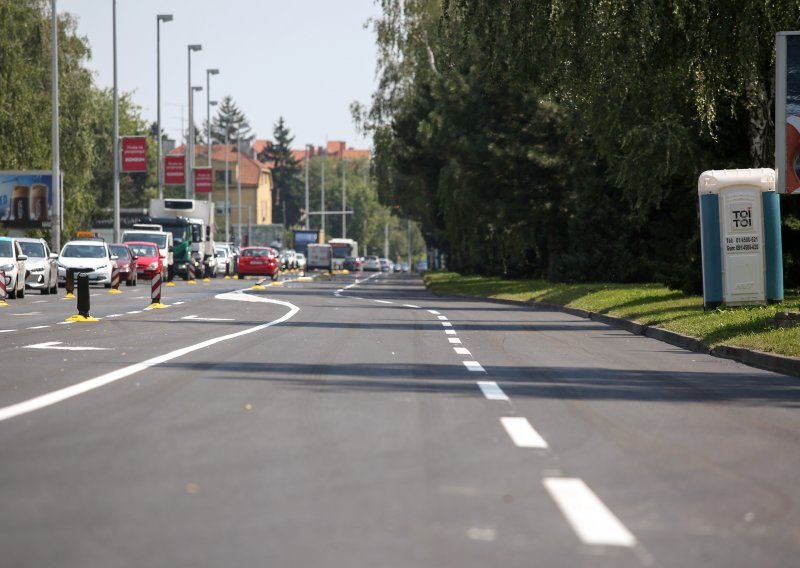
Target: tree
{"points": [[231, 119], [287, 186]]}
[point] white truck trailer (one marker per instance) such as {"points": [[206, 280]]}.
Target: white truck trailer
{"points": [[198, 217]]}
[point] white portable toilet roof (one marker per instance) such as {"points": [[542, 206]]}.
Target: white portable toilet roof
{"points": [[712, 181]]}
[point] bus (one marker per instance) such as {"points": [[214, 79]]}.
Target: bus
{"points": [[342, 248]]}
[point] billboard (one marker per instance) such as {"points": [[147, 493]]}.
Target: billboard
{"points": [[174, 170], [26, 199], [303, 238], [203, 180], [787, 111], [134, 154]]}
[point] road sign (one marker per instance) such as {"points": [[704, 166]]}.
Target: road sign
{"points": [[134, 154], [203, 180], [174, 170]]}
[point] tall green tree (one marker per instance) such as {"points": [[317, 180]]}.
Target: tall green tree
{"points": [[287, 186], [231, 119]]}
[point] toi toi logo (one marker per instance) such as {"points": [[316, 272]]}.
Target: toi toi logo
{"points": [[742, 219]]}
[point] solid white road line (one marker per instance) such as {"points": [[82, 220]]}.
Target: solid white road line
{"points": [[454, 340], [522, 433], [198, 318], [7, 330], [411, 306], [593, 522], [134, 312], [38, 327], [474, 366], [491, 390], [114, 315], [434, 312], [382, 302], [57, 346], [61, 395], [462, 351]]}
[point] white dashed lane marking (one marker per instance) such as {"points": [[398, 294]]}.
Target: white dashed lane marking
{"points": [[591, 520], [474, 366], [434, 312], [462, 351], [383, 302], [522, 433], [411, 306], [491, 390], [450, 331], [454, 339], [442, 318], [447, 324]]}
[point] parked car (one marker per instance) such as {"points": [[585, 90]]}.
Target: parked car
{"points": [[386, 265], [41, 266], [422, 265], [93, 257], [259, 261], [352, 263], [301, 261], [372, 263], [404, 267], [12, 263], [289, 259], [148, 260], [126, 261], [224, 260]]}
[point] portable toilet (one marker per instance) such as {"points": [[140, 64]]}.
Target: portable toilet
{"points": [[740, 229]]}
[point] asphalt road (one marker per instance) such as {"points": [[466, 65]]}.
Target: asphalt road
{"points": [[363, 422]]}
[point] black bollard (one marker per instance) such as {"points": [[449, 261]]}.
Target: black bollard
{"points": [[83, 294], [70, 284]]}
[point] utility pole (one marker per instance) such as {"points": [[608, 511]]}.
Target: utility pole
{"points": [[344, 198], [308, 158], [116, 130], [386, 239], [56, 155], [324, 159]]}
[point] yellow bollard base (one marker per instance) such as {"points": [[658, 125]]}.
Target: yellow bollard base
{"points": [[80, 318], [69, 297], [305, 279], [115, 291], [227, 278], [257, 287], [156, 306], [170, 284], [191, 281], [276, 283], [3, 304]]}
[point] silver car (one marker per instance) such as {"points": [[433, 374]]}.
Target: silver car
{"points": [[12, 263], [41, 266]]}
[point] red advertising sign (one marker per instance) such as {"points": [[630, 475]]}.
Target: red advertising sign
{"points": [[203, 180], [134, 154], [174, 170]]}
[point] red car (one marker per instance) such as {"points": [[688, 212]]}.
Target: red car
{"points": [[148, 260], [259, 260], [126, 262]]}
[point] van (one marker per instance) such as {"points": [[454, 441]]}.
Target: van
{"points": [[320, 256], [162, 239]]}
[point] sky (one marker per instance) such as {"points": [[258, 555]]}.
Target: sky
{"points": [[305, 60]]}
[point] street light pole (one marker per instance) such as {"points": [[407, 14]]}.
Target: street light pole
{"points": [[227, 181], [344, 198], [308, 158], [209, 72], [195, 89], [239, 182], [159, 168], [190, 139], [324, 156], [56, 155], [116, 127]]}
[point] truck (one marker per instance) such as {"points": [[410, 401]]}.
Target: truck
{"points": [[191, 223], [319, 256]]}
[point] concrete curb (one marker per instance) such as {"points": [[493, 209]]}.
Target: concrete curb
{"points": [[766, 361]]}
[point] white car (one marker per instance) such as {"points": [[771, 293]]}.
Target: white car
{"points": [[41, 265], [301, 260], [224, 260], [93, 257], [372, 264], [12, 263]]}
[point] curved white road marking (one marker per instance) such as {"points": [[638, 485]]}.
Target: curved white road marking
{"points": [[61, 395]]}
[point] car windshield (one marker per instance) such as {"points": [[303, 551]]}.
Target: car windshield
{"points": [[32, 250], [143, 250], [121, 252], [83, 251], [256, 252], [159, 238], [178, 232], [220, 253], [5, 249]]}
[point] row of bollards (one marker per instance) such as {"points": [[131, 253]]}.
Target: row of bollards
{"points": [[83, 295]]}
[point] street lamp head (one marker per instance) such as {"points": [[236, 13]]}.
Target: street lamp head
{"points": [[213, 103], [197, 88], [212, 71], [195, 47], [164, 17]]}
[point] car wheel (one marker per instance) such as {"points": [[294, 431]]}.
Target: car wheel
{"points": [[21, 292], [107, 285], [12, 292], [44, 291]]}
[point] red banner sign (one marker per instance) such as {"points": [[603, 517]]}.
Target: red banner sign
{"points": [[174, 170], [203, 180], [134, 154]]}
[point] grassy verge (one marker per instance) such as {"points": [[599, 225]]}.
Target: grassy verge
{"points": [[751, 327]]}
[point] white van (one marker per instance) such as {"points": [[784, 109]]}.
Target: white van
{"points": [[320, 256], [152, 234]]}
